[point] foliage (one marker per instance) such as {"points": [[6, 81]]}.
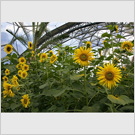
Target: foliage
{"points": [[64, 86]]}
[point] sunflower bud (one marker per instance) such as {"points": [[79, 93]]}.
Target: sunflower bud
{"points": [[88, 44]]}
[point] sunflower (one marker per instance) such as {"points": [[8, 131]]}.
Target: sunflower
{"points": [[11, 94], [124, 68], [25, 67], [19, 66], [30, 45], [88, 44], [127, 45], [7, 72], [32, 53], [5, 93], [53, 58], [14, 81], [38, 54], [25, 101], [8, 48], [115, 61], [7, 86], [5, 79], [22, 60], [8, 93], [116, 28], [20, 72], [109, 75], [83, 56], [15, 78], [60, 53], [24, 74], [18, 88], [126, 76], [51, 52], [43, 57], [104, 42]]}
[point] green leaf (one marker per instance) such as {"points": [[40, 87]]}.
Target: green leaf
{"points": [[14, 55], [35, 110], [110, 57], [120, 100], [94, 108], [107, 45], [14, 105], [127, 108], [101, 58], [94, 84], [76, 77], [119, 36], [77, 94], [110, 27], [87, 109], [53, 92], [43, 86], [52, 108], [106, 35]]}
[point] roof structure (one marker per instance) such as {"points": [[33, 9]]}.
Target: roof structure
{"points": [[70, 33]]}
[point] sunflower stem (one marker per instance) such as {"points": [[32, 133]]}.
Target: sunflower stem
{"points": [[85, 87]]}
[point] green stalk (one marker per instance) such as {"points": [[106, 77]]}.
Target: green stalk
{"points": [[85, 87], [48, 75], [93, 97]]}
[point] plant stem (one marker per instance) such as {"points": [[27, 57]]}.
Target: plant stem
{"points": [[93, 97], [85, 87]]}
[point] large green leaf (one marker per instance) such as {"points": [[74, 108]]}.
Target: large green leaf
{"points": [[123, 100], [43, 86], [53, 92], [94, 108], [76, 77], [127, 108], [106, 35], [119, 36], [14, 105]]}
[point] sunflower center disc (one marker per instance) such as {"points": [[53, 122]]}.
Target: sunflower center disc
{"points": [[109, 75], [23, 75], [83, 57], [88, 45], [9, 87], [43, 57], [30, 45], [22, 60], [53, 58], [25, 101], [127, 46], [8, 49]]}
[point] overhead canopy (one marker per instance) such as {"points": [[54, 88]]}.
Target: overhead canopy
{"points": [[70, 33]]}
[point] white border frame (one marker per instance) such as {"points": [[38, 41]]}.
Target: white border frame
{"points": [[76, 123]]}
